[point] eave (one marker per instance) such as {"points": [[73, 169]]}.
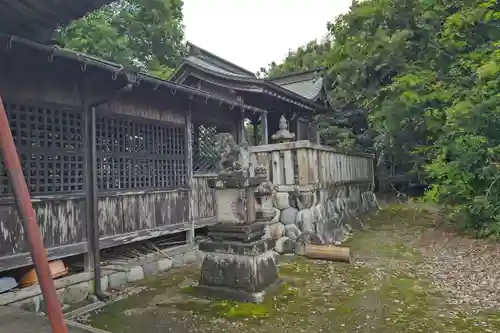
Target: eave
{"points": [[118, 70], [189, 68], [194, 49], [38, 19]]}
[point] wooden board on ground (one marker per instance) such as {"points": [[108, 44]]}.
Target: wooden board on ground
{"points": [[327, 252]]}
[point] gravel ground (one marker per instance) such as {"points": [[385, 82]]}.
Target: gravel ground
{"points": [[408, 275]]}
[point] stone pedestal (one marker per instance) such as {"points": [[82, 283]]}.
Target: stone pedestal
{"points": [[239, 264]]}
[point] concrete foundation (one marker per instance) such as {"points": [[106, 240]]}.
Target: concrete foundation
{"points": [[76, 288]]}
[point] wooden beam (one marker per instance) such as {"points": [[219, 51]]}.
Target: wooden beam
{"points": [[189, 174], [264, 129], [241, 127]]}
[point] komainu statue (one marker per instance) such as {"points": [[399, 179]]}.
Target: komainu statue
{"points": [[233, 157]]}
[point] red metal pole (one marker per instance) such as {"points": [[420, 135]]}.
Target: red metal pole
{"points": [[13, 165]]}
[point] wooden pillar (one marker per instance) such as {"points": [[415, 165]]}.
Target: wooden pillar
{"points": [[255, 134], [241, 127], [294, 127], [318, 137], [299, 130], [264, 129], [88, 177], [189, 175], [314, 133]]}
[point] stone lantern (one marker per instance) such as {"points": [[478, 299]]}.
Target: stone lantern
{"points": [[239, 264]]}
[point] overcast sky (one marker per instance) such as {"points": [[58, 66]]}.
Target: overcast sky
{"points": [[253, 33]]}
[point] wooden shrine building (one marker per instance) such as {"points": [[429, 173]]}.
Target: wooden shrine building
{"points": [[123, 152], [106, 148], [120, 153], [296, 96]]}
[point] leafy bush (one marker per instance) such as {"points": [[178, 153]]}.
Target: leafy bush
{"points": [[429, 72]]}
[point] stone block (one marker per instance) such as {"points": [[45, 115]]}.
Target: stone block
{"points": [[281, 200], [239, 277], [276, 230], [288, 216], [232, 205], [164, 265], [31, 304], [77, 293], [200, 255], [190, 257], [241, 232], [305, 200], [285, 245], [267, 233], [135, 274], [20, 294], [276, 217], [151, 268], [178, 260], [104, 284], [116, 280], [237, 248], [292, 231], [304, 220], [61, 293], [339, 236]]}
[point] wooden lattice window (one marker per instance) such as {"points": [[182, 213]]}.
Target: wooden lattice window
{"points": [[135, 153], [205, 156], [49, 140]]}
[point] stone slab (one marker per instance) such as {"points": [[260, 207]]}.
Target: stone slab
{"points": [[150, 269], [241, 232], [235, 180], [117, 280], [135, 274], [249, 249], [236, 294], [18, 321]]}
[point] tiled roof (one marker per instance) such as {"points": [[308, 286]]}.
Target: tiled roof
{"points": [[310, 89], [116, 68], [307, 84], [302, 88], [216, 62], [37, 19], [215, 68]]}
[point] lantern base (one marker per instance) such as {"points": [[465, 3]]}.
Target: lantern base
{"points": [[237, 232], [239, 271]]}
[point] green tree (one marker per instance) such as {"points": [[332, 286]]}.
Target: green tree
{"points": [[345, 128], [146, 34], [429, 76], [428, 72], [310, 56]]}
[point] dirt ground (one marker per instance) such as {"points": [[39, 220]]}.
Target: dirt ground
{"points": [[409, 274]]}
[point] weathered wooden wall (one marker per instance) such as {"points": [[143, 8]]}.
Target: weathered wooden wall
{"points": [[62, 222], [123, 215], [133, 212], [204, 198]]}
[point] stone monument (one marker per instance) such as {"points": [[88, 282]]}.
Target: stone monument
{"points": [[283, 135], [239, 264]]}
